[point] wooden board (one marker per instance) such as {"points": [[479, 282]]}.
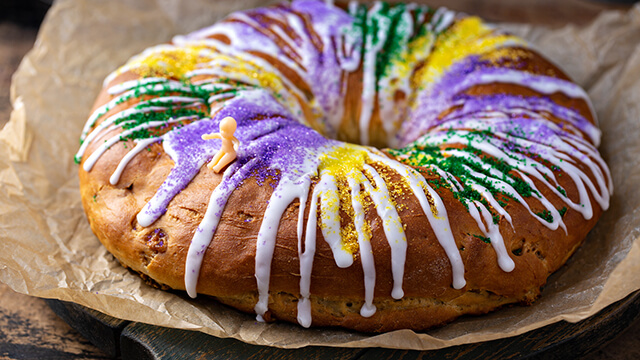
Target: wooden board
{"points": [[132, 340], [28, 330]]}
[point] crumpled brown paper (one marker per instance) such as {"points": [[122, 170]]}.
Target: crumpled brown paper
{"points": [[48, 250]]}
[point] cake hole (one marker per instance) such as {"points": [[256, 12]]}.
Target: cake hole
{"points": [[540, 255], [244, 217], [157, 241], [145, 259], [517, 247], [349, 304]]}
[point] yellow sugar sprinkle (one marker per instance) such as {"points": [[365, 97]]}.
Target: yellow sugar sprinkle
{"points": [[266, 79], [343, 162], [330, 202], [173, 62], [418, 158], [348, 232], [397, 189], [467, 37], [432, 204], [509, 54], [416, 51], [343, 159]]}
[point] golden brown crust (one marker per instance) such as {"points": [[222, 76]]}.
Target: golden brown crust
{"points": [[228, 268], [227, 273]]}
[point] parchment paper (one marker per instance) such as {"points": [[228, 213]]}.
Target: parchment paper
{"points": [[48, 250]]}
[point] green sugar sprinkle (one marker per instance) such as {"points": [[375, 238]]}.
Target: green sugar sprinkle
{"points": [[158, 89], [563, 211], [398, 32], [398, 22], [561, 190], [467, 170], [486, 240], [545, 215], [136, 119], [496, 219], [477, 169]]}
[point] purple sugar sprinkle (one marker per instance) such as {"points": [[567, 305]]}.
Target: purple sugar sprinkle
{"points": [[269, 147], [447, 92]]}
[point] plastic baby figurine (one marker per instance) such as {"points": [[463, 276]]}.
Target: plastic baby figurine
{"points": [[230, 144]]}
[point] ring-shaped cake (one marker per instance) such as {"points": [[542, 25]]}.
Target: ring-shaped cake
{"points": [[398, 166]]}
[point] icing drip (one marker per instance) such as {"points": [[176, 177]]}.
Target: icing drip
{"points": [[306, 257], [469, 73], [140, 145], [491, 230], [204, 234], [286, 192], [436, 214], [366, 254], [374, 42], [392, 226], [485, 149], [394, 44]]}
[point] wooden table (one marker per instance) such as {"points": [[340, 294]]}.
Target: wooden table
{"points": [[29, 329]]}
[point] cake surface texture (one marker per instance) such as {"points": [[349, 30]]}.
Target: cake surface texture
{"points": [[398, 166]]}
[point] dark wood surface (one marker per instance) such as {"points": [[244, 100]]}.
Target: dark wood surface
{"points": [[30, 329], [561, 340]]}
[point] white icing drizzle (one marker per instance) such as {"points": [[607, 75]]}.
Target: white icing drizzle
{"points": [[348, 54], [439, 221], [371, 51], [540, 83], [392, 226], [492, 145], [443, 18], [397, 81], [168, 85], [306, 257], [564, 152], [330, 220], [108, 124], [128, 85], [286, 92], [93, 158], [130, 64], [490, 199], [245, 43], [140, 145], [285, 193], [508, 189], [366, 253], [204, 233], [491, 231]]}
